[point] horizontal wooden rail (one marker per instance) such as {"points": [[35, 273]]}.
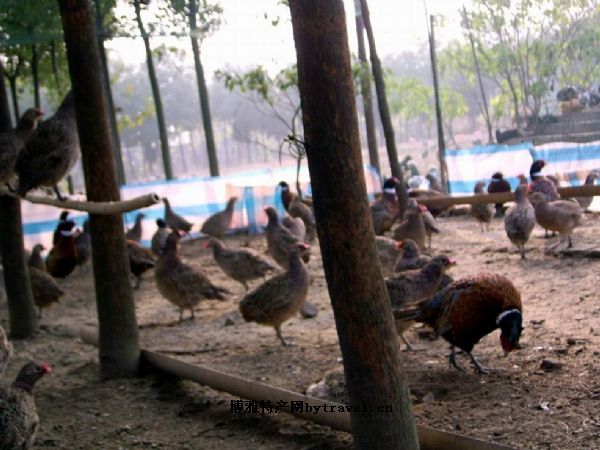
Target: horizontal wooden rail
{"points": [[99, 208], [429, 438], [503, 197]]}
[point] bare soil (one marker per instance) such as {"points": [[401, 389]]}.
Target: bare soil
{"points": [[518, 404]]}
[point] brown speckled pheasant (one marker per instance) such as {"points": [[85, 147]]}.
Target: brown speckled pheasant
{"points": [[409, 287], [242, 264], [51, 152], [296, 208], [35, 259], [280, 240], [562, 216], [174, 220], [18, 415], [385, 210], [181, 284], [5, 351], [519, 220], [280, 297], [44, 288], [411, 257], [296, 226], [482, 212], [388, 251], [140, 261], [540, 183], [585, 202], [469, 309], [218, 224], [135, 232], [12, 142], [413, 226]]}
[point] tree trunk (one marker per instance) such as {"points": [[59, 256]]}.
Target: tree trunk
{"points": [[384, 111], [438, 110], [12, 81], [36, 75], [213, 161], [160, 116], [365, 90], [119, 348], [114, 132], [367, 336], [21, 310]]}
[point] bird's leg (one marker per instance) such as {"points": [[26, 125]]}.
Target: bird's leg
{"points": [[180, 314], [480, 369], [570, 241], [522, 249], [193, 316], [58, 194], [481, 225], [452, 359], [245, 285], [283, 341]]}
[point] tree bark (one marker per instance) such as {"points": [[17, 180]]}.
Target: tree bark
{"points": [[438, 109], [119, 348], [21, 310], [12, 81], [114, 132], [365, 90], [160, 115], [384, 111], [361, 305], [213, 161], [36, 75]]}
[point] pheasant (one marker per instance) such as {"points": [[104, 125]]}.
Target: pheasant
{"points": [[51, 152], [174, 220], [585, 202], [181, 284], [44, 288], [411, 257], [296, 208], [409, 287], [35, 259], [159, 238], [242, 264], [498, 184], [83, 244], [18, 415], [296, 226], [519, 220], [385, 210], [12, 142], [482, 212], [469, 309], [559, 215], [388, 251], [218, 224], [280, 240], [140, 261], [279, 298], [413, 226], [62, 259], [135, 232]]}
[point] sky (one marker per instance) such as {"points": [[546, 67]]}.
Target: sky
{"points": [[247, 38]]}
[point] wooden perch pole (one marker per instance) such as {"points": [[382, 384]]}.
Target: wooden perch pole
{"points": [[502, 197], [99, 208], [429, 438]]}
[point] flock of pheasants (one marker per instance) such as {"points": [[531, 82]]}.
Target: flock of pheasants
{"points": [[41, 153]]}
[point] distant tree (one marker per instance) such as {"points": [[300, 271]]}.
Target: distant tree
{"points": [[202, 18]]}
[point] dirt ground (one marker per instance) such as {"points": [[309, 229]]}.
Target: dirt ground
{"points": [[518, 404]]}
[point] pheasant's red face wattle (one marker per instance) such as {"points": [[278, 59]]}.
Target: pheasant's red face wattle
{"points": [[46, 368]]}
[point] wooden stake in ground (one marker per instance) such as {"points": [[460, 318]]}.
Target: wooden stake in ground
{"points": [[360, 301], [384, 111], [119, 348], [23, 316]]}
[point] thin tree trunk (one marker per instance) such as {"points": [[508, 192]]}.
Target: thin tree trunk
{"points": [[438, 109], [119, 348], [36, 75], [361, 305], [160, 116], [486, 114], [384, 111], [213, 161], [21, 310], [114, 131], [365, 90], [12, 81]]}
